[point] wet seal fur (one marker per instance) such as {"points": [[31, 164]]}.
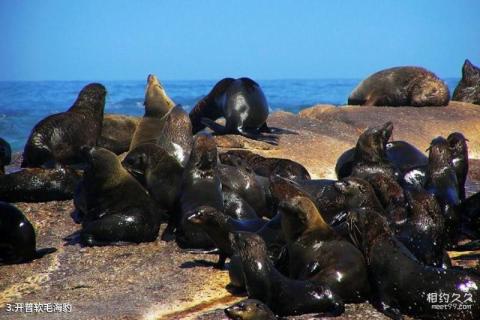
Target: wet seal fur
{"points": [[249, 309], [39, 185], [266, 167], [117, 132], [319, 254], [17, 237], [201, 186], [284, 296], [159, 172], [242, 103], [400, 282], [5, 155], [459, 153], [401, 86], [218, 226], [468, 89], [118, 208], [58, 139]]}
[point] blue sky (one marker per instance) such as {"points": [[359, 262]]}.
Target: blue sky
{"points": [[126, 40]]}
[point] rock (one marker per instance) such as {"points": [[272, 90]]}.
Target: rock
{"points": [[117, 132]]}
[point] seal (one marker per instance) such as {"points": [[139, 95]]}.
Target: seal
{"points": [[201, 186], [237, 208], [401, 284], [284, 296], [5, 155], [250, 309], [441, 181], [39, 185], [401, 86], [423, 231], [319, 254], [459, 152], [468, 89], [245, 184], [157, 105], [242, 103], [266, 167], [159, 172], [118, 208], [117, 132], [17, 237], [58, 139], [218, 226]]}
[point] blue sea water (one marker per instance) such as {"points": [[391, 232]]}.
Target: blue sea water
{"points": [[23, 104]]}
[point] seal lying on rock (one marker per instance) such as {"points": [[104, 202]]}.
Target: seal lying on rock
{"points": [[266, 167], [282, 295], [39, 185], [249, 309], [401, 86], [468, 89], [58, 139], [118, 208], [319, 254], [5, 155], [17, 237], [401, 284], [242, 103]]}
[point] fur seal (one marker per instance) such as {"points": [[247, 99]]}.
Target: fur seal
{"points": [[319, 254], [237, 208], [17, 237], [157, 105], [159, 172], [423, 231], [117, 132], [118, 208], [401, 86], [468, 89], [218, 226], [441, 181], [58, 139], [401, 284], [249, 309], [201, 186], [459, 152], [242, 103], [39, 185], [267, 167], [5, 155], [284, 296]]}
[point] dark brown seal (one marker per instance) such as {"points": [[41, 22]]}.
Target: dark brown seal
{"points": [[250, 309], [284, 296], [459, 152], [39, 185], [17, 237], [468, 89], [319, 254], [401, 284], [242, 103], [401, 86], [58, 139], [266, 167], [118, 208]]}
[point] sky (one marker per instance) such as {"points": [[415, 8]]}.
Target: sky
{"points": [[193, 40]]}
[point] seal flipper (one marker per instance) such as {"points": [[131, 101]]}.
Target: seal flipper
{"points": [[43, 252], [217, 128]]}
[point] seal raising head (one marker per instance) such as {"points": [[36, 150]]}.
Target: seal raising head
{"points": [[468, 89], [157, 102]]}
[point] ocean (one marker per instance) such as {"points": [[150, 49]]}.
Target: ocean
{"points": [[23, 104]]}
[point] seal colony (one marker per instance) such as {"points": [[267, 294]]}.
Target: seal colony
{"points": [[295, 245]]}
